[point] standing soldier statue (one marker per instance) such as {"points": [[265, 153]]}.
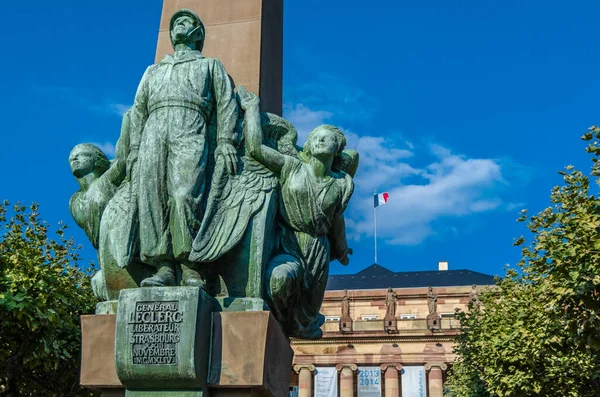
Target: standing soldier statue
{"points": [[176, 100]]}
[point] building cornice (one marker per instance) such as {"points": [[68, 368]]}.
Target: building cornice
{"points": [[397, 339], [366, 295]]}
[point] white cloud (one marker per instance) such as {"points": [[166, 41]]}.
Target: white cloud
{"points": [[380, 160], [107, 147], [118, 108], [450, 186], [444, 186], [304, 119], [514, 206]]}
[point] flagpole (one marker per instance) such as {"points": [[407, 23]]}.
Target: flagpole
{"points": [[375, 225]]}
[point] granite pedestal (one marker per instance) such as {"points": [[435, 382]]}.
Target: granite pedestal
{"points": [[180, 342]]}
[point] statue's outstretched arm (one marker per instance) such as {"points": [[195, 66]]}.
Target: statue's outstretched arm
{"points": [[268, 157], [117, 171]]}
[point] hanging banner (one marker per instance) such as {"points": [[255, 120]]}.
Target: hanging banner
{"points": [[369, 382], [413, 381], [326, 382]]}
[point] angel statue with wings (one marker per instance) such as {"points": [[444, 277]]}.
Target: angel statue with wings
{"points": [[314, 187], [272, 229]]}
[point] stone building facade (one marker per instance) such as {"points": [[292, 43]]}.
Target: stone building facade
{"points": [[370, 337]]}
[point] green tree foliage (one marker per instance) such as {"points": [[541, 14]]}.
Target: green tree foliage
{"points": [[538, 334], [42, 295]]}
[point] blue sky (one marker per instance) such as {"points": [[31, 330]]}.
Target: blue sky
{"points": [[462, 110]]}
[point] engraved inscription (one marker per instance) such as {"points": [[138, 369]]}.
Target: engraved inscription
{"points": [[155, 332]]}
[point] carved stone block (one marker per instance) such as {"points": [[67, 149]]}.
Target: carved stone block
{"points": [[434, 322], [346, 325], [163, 338], [390, 324]]}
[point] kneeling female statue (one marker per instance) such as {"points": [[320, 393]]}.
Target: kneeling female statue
{"points": [[313, 197]]}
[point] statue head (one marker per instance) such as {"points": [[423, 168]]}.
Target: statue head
{"points": [[325, 140], [86, 158], [474, 286], [430, 289], [390, 289], [187, 28]]}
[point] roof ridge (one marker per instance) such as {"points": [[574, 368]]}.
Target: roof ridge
{"points": [[376, 276], [374, 268]]}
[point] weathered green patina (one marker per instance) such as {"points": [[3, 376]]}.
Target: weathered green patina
{"points": [[163, 340], [313, 197], [104, 208], [173, 107], [206, 191]]}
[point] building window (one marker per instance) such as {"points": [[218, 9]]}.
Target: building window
{"points": [[370, 317], [408, 317], [332, 318]]}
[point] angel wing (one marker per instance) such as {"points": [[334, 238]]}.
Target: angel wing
{"points": [[347, 162], [279, 134], [234, 200]]}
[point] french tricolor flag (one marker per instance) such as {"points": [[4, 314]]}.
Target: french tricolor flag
{"points": [[380, 199]]}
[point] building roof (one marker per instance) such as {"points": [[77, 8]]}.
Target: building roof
{"points": [[378, 277]]}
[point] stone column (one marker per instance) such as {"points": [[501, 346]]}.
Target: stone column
{"points": [[346, 379], [305, 379], [435, 378], [391, 379]]}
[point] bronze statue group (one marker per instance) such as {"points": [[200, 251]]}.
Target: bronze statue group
{"points": [[207, 191]]}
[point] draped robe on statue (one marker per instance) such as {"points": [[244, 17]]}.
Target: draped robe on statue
{"points": [[173, 107], [298, 275]]}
